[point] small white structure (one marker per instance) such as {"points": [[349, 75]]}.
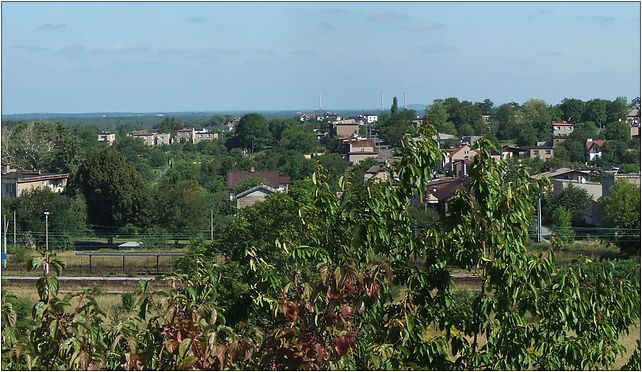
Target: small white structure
{"points": [[129, 245]]}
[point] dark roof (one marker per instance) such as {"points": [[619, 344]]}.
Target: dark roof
{"points": [[273, 178], [32, 176], [259, 187], [447, 191]]}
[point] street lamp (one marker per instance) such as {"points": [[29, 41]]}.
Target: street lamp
{"points": [[47, 240]]}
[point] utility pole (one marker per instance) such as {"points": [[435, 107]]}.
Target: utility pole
{"points": [[47, 241], [539, 219]]}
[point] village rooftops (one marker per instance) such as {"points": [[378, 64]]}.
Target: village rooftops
{"points": [[561, 172], [22, 176], [273, 178]]}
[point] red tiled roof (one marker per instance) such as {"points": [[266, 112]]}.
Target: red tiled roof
{"points": [[563, 123], [446, 192], [590, 144], [456, 150], [185, 130], [273, 178]]}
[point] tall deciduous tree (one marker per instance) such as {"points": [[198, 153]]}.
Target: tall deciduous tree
{"points": [[617, 131], [252, 132], [621, 211], [116, 193], [572, 109]]}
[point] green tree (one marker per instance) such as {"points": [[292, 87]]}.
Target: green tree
{"points": [[572, 109], [181, 208], [437, 115], [617, 109], [621, 212], [67, 217], [486, 106], [573, 199], [596, 110], [585, 130], [394, 108], [252, 132], [536, 115], [563, 232], [614, 152], [617, 131], [299, 139], [575, 150], [115, 192]]}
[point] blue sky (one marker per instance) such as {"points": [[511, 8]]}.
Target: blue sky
{"points": [[160, 57]]}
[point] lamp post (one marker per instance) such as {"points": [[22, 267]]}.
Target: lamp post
{"points": [[47, 241]]}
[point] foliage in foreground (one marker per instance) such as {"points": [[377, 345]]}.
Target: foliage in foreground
{"points": [[350, 284]]}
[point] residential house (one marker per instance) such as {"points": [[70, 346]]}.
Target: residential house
{"points": [[253, 196], [152, 139], [272, 178], [162, 139], [511, 151], [460, 167], [15, 182], [470, 139], [185, 135], [146, 136], [564, 174], [543, 152], [561, 131], [303, 117], [447, 192], [371, 118], [461, 152], [108, 137], [565, 177], [204, 135], [376, 173], [345, 131], [231, 124], [357, 150], [594, 149], [435, 185], [418, 120]]}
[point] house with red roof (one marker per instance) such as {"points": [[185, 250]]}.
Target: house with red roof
{"points": [[594, 149]]}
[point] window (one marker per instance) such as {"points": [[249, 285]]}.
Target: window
{"points": [[548, 152]]}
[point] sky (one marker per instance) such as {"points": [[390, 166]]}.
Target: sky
{"points": [[169, 57]]}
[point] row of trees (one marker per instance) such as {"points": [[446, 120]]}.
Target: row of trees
{"points": [[316, 279]]}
